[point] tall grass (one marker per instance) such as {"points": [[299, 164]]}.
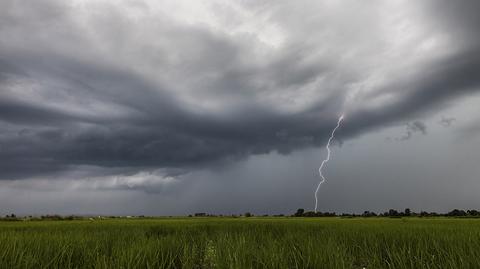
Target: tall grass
{"points": [[242, 243]]}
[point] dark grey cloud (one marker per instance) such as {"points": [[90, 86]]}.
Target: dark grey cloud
{"points": [[417, 126], [116, 86], [411, 128]]}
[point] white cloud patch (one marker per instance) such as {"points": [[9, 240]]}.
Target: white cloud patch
{"points": [[156, 181]]}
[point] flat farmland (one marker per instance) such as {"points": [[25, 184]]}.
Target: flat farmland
{"points": [[242, 243]]}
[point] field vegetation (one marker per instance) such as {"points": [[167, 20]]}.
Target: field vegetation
{"points": [[254, 242]]}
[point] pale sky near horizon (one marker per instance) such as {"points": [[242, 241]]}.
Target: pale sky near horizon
{"points": [[176, 107]]}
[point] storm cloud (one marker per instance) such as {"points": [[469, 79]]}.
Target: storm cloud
{"points": [[127, 88]]}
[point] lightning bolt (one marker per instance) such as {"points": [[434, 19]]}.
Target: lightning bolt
{"points": [[326, 160]]}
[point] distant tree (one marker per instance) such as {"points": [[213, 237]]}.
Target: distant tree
{"points": [[311, 214], [473, 212], [248, 215], [407, 212], [368, 214], [319, 214], [457, 213], [392, 213], [299, 212]]}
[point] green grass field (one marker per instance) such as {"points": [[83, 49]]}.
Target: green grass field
{"points": [[242, 243]]}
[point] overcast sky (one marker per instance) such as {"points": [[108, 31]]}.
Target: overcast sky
{"points": [[175, 107]]}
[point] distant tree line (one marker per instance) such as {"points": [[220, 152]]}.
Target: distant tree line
{"points": [[391, 213], [13, 217], [301, 213], [247, 215]]}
